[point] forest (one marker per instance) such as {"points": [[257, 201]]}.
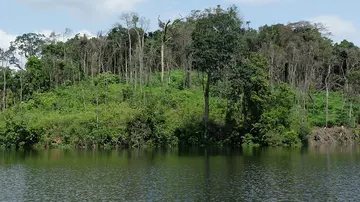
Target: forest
{"points": [[205, 79]]}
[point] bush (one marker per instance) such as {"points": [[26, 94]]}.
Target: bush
{"points": [[18, 134]]}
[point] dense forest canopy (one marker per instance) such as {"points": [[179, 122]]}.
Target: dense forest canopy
{"points": [[204, 78]]}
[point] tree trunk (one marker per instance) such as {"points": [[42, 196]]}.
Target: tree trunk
{"points": [[141, 66], [149, 73], [84, 63], [141, 58], [130, 55], [162, 61], [169, 75], [350, 112], [126, 71], [345, 91], [313, 103], [135, 77], [343, 103], [21, 90], [207, 107], [327, 97], [56, 73], [163, 41], [97, 106], [188, 74], [92, 68], [4, 90], [82, 91], [129, 35]]}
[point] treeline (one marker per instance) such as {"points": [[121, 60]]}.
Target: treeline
{"points": [[269, 78]]}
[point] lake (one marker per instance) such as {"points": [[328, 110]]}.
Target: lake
{"points": [[192, 174]]}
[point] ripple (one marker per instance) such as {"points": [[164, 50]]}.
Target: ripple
{"points": [[173, 176]]}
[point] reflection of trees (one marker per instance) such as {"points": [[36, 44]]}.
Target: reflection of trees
{"points": [[207, 176]]}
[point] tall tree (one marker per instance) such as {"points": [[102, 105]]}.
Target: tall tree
{"points": [[3, 59], [215, 44], [164, 27], [29, 44]]}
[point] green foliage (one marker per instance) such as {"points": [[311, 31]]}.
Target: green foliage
{"points": [[213, 27], [35, 77], [17, 133], [249, 94], [338, 110], [106, 79], [29, 44], [248, 140], [67, 116], [275, 126]]}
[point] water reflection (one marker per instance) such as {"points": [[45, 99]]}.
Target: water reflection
{"points": [[184, 174]]}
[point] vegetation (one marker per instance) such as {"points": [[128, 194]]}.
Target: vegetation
{"points": [[203, 79]]}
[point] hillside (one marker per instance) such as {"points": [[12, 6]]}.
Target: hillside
{"points": [[114, 114], [69, 116]]}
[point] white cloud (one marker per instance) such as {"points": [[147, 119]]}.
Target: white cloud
{"points": [[5, 39], [256, 2], [339, 28], [86, 6]]}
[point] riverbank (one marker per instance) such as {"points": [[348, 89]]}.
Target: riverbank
{"points": [[344, 136]]}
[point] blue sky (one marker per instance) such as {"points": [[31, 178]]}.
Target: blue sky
{"points": [[90, 16]]}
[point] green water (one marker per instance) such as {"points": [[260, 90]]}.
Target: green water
{"points": [[181, 175]]}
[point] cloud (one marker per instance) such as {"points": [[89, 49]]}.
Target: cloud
{"points": [[339, 28], [86, 6], [5, 39], [256, 2]]}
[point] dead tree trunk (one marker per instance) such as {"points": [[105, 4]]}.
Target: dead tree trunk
{"points": [[327, 96], [4, 90], [163, 26], [207, 106]]}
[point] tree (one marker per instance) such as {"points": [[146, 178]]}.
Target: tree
{"points": [[130, 19], [164, 27], [215, 44], [117, 45], [180, 45], [29, 44], [141, 44], [5, 57], [36, 78], [354, 91]]}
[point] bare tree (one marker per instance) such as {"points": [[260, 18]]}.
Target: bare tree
{"points": [[327, 96], [128, 18], [3, 59], [144, 23], [164, 27]]}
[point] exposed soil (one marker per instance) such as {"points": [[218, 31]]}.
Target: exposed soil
{"points": [[334, 136]]}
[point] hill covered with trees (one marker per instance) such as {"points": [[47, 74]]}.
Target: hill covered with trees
{"points": [[207, 78]]}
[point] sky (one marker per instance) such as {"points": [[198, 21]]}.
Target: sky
{"points": [[91, 16]]}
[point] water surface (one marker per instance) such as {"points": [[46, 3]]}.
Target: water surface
{"points": [[196, 174]]}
